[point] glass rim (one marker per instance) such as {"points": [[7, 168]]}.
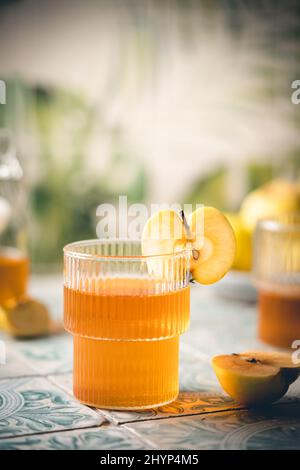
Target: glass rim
{"points": [[70, 250], [282, 223]]}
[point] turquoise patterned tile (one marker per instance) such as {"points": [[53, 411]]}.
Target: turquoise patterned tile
{"points": [[213, 337], [277, 427], [196, 373], [198, 378], [219, 325], [35, 405], [105, 437], [49, 355], [205, 399], [188, 403], [64, 381], [14, 366]]}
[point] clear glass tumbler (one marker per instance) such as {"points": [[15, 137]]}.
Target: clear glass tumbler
{"points": [[277, 276], [126, 313]]}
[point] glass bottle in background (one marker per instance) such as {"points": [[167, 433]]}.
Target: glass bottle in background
{"points": [[277, 276], [14, 263]]}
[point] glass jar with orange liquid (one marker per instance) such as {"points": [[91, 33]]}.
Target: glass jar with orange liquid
{"points": [[14, 263], [126, 313], [277, 274]]}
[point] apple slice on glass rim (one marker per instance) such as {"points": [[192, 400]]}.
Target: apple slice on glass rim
{"points": [[207, 233]]}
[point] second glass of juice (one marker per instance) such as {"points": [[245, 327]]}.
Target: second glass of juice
{"points": [[126, 313], [277, 275]]}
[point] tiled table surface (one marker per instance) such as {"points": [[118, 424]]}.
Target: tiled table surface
{"points": [[38, 411]]}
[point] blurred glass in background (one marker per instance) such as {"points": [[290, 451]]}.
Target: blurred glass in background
{"points": [[165, 101]]}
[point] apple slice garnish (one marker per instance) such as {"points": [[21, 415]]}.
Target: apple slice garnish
{"points": [[163, 234], [208, 235], [214, 245]]}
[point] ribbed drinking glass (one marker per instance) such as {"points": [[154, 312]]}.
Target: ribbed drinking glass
{"points": [[126, 313]]}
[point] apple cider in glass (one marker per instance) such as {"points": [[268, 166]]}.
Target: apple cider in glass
{"points": [[14, 267], [125, 323], [277, 273]]}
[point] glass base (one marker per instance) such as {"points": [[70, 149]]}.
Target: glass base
{"points": [[126, 375], [129, 408]]}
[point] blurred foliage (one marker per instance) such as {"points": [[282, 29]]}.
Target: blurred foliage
{"points": [[57, 126], [258, 174], [209, 190], [212, 189], [63, 193]]}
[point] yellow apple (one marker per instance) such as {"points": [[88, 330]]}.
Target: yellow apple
{"points": [[272, 199], [243, 256], [255, 378]]}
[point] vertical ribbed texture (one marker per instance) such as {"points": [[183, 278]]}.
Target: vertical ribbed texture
{"points": [[89, 272], [125, 374], [126, 313], [141, 316], [276, 261]]}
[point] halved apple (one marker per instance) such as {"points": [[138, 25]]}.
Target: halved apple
{"points": [[255, 378], [214, 245]]}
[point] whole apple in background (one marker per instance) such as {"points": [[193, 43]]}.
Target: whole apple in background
{"points": [[5, 214], [243, 256], [272, 199]]}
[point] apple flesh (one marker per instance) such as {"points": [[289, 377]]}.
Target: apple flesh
{"points": [[255, 378], [215, 244], [208, 235]]}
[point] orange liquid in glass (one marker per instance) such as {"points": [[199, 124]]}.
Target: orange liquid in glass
{"points": [[125, 374], [279, 317], [14, 268], [137, 364], [126, 309]]}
